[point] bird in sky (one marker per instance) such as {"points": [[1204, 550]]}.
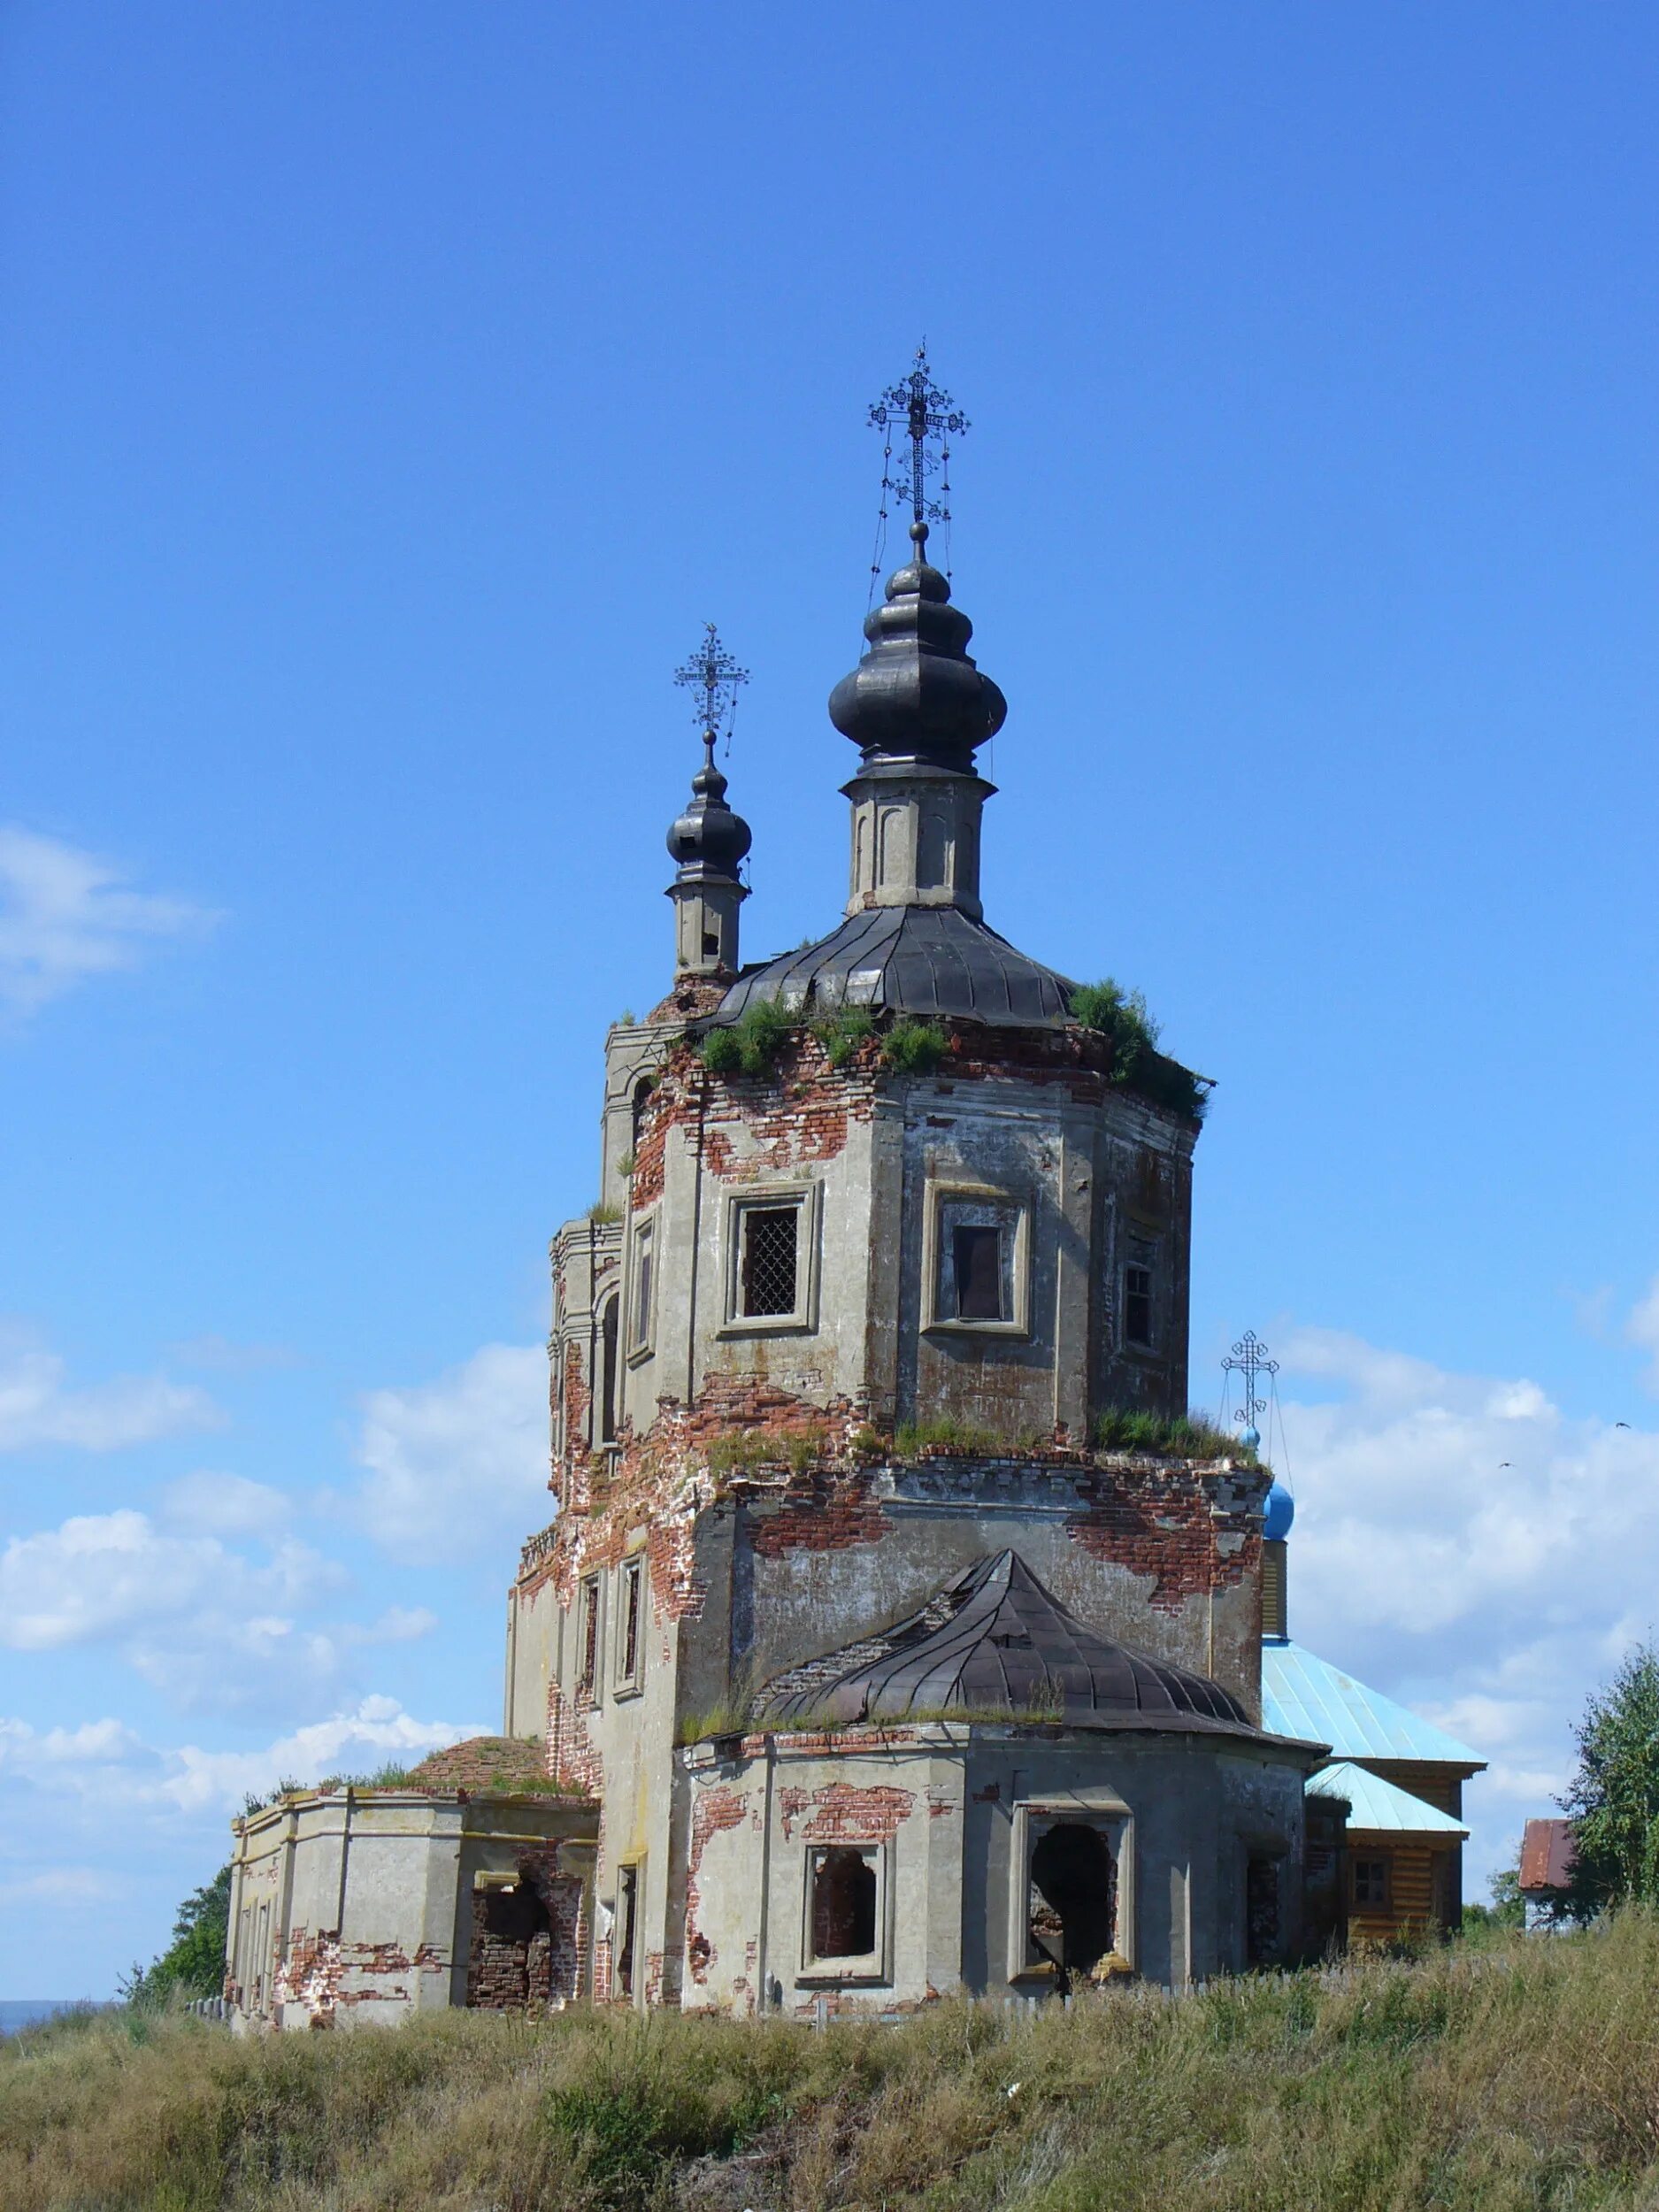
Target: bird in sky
{"points": [[1621, 1425]]}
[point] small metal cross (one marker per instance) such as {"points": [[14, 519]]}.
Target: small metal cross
{"points": [[717, 675], [925, 415], [1249, 1359]]}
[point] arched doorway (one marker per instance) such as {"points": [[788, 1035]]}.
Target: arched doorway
{"points": [[1073, 1896]]}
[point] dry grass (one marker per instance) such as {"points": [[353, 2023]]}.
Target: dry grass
{"points": [[1522, 2074]]}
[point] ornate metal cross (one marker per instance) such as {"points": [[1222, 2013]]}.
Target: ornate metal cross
{"points": [[717, 676], [1249, 1359], [918, 410]]}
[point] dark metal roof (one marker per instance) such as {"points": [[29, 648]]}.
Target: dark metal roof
{"points": [[995, 1641], [920, 960]]}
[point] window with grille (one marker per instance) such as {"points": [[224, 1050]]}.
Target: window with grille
{"points": [[1140, 1271], [768, 1262]]}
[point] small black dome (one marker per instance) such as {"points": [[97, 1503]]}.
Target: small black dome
{"points": [[707, 836], [916, 694]]}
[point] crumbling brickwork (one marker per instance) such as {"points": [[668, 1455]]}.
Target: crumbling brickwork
{"points": [[526, 1950]]}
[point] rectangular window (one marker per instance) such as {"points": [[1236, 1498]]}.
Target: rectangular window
{"points": [[976, 1257], [644, 1258], [770, 1268], [631, 1656], [844, 1907], [587, 1628], [1139, 1271], [767, 1263], [977, 1265], [1371, 1882]]}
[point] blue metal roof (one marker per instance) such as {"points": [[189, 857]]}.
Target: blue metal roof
{"points": [[1377, 1807], [1305, 1696]]}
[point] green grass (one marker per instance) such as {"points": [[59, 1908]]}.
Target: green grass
{"points": [[943, 1431], [1521, 2075], [1189, 1436], [737, 1450], [752, 1045]]}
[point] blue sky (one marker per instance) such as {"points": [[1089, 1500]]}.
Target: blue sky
{"points": [[393, 391]]}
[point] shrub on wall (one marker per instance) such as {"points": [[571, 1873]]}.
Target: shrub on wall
{"points": [[751, 1045], [913, 1047], [1123, 1020]]}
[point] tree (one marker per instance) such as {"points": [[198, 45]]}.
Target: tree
{"points": [[1614, 1797], [193, 1964]]}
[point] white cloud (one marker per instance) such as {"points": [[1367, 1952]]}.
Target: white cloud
{"points": [[107, 1767], [64, 1885], [226, 1505], [1465, 1546], [37, 1407], [460, 1464], [65, 915]]}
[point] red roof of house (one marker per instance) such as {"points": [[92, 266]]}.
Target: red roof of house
{"points": [[1546, 1855]]}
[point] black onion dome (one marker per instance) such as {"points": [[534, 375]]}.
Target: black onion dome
{"points": [[995, 1642], [916, 694], [928, 960], [707, 836]]}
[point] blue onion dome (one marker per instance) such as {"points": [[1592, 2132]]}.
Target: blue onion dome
{"points": [[709, 838], [916, 694], [1278, 1514]]}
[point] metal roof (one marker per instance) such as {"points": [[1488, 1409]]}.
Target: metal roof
{"points": [[915, 960], [1546, 1855], [995, 1642], [1304, 1696], [1376, 1806]]}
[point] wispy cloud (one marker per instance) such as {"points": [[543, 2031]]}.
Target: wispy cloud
{"points": [[65, 915], [460, 1464], [38, 1405], [1468, 1548]]}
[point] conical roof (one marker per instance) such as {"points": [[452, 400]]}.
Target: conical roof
{"points": [[994, 1642]]}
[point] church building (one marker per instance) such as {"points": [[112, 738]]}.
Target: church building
{"points": [[861, 1662]]}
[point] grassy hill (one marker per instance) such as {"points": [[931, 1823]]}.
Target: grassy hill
{"points": [[1519, 2073]]}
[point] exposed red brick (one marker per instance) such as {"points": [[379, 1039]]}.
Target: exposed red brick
{"points": [[1163, 1522], [714, 1810]]}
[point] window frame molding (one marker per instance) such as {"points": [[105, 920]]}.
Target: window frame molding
{"points": [[806, 1197], [1135, 1231], [864, 1969], [590, 1598], [642, 1233], [938, 1193], [630, 1681], [1094, 1809]]}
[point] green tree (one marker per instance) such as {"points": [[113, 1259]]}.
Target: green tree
{"points": [[193, 1964], [1614, 1797]]}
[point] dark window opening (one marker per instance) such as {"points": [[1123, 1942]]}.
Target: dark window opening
{"points": [[710, 945], [768, 1267], [590, 1635], [642, 1091], [1073, 1897], [627, 1923], [642, 1295], [1138, 1281], [1260, 1909], [608, 1374], [843, 1905], [1371, 1882], [977, 1255], [631, 1623]]}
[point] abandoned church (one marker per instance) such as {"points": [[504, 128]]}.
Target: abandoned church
{"points": [[896, 1633]]}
